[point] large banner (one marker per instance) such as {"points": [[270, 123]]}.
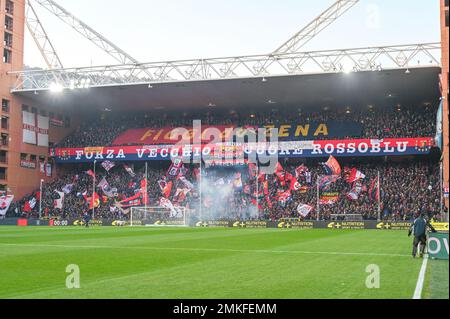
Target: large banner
{"points": [[286, 132], [42, 132], [35, 129], [359, 147], [29, 127]]}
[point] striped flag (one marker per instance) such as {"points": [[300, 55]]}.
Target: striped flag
{"points": [[374, 190], [107, 165], [304, 209], [354, 175], [355, 191], [332, 166]]}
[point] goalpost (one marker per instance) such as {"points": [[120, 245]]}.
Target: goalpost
{"points": [[159, 216]]}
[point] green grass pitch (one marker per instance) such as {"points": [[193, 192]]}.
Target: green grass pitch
{"points": [[211, 263]]}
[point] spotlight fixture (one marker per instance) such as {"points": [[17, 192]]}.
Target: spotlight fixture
{"points": [[56, 87]]}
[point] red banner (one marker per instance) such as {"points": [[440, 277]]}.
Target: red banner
{"points": [[170, 135]]}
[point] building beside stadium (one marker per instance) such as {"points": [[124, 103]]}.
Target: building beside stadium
{"points": [[41, 109], [23, 163]]}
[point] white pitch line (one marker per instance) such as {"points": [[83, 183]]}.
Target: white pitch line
{"points": [[213, 250], [421, 279]]}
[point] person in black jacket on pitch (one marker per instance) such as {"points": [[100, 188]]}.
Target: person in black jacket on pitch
{"points": [[419, 228]]}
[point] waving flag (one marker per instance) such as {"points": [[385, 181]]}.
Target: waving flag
{"points": [[129, 170], [332, 166], [132, 201], [5, 202], [300, 171], [294, 184], [180, 194], [106, 188], [284, 197], [304, 209], [107, 165], [354, 175], [281, 174], [58, 203], [326, 181], [103, 183], [166, 187], [328, 198], [67, 189], [143, 191], [93, 201], [175, 168], [356, 190], [374, 190], [29, 205]]}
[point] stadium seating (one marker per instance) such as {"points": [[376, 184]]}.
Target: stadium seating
{"points": [[407, 187], [376, 122]]}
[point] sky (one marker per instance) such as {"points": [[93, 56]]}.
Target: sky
{"points": [[151, 30]]}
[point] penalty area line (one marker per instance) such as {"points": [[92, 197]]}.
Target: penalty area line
{"points": [[421, 279]]}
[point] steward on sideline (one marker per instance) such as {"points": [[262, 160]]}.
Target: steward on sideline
{"points": [[419, 228]]}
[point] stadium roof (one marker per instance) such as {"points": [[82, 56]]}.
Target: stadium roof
{"points": [[379, 88]]}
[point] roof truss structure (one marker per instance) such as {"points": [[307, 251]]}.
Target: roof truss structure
{"points": [[262, 66], [286, 60]]}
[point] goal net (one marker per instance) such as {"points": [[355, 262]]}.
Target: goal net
{"points": [[158, 216]]}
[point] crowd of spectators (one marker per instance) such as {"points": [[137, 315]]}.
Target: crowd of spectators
{"points": [[417, 121], [407, 188]]}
